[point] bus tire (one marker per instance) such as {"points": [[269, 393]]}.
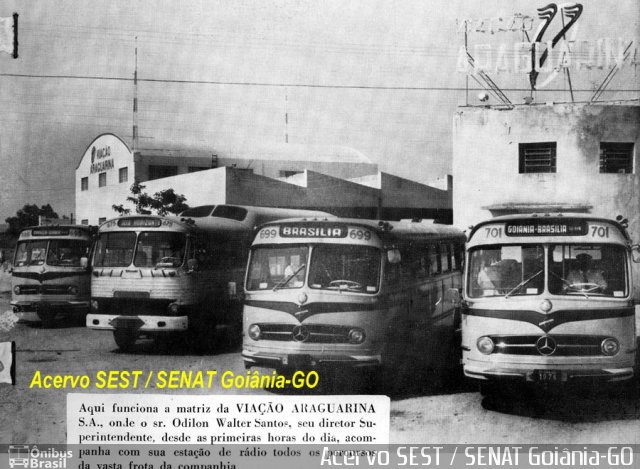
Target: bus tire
{"points": [[125, 339]]}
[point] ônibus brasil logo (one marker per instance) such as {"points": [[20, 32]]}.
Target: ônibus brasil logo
{"points": [[34, 458]]}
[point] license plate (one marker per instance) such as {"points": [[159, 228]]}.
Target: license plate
{"points": [[548, 376]]}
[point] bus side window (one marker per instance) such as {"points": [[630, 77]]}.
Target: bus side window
{"points": [[434, 260], [456, 263], [444, 257]]}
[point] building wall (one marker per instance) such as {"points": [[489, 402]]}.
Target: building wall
{"points": [[95, 202], [486, 160], [352, 187]]}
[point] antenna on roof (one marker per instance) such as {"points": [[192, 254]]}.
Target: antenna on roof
{"points": [[135, 100]]}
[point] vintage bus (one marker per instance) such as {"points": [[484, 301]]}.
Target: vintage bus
{"points": [[358, 293], [51, 276], [155, 275], [548, 299]]}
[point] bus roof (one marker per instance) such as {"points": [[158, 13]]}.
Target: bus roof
{"points": [[242, 217], [550, 216], [386, 230]]}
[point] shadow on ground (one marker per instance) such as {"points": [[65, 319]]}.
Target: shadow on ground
{"points": [[587, 403]]}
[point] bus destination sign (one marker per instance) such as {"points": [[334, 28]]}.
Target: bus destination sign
{"points": [[139, 222], [547, 227], [313, 231], [50, 232]]}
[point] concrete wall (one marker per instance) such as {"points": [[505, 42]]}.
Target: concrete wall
{"points": [[486, 159]]}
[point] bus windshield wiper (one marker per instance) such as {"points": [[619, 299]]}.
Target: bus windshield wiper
{"points": [[288, 279], [523, 283]]}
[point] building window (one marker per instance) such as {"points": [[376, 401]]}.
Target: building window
{"points": [[161, 171], [616, 157], [101, 220], [84, 222], [195, 169], [123, 175], [102, 179], [84, 184], [537, 157]]}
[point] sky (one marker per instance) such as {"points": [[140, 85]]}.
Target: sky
{"points": [[380, 76]]}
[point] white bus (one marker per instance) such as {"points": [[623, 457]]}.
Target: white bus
{"points": [[359, 293], [50, 276], [155, 275], [548, 299]]}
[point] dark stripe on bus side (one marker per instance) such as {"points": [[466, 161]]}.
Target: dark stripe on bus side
{"points": [[546, 322], [41, 277]]}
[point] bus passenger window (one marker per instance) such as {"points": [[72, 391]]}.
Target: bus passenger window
{"points": [[434, 260], [444, 256]]}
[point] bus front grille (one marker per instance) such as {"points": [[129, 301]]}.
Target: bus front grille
{"points": [[43, 290], [564, 345], [311, 334]]}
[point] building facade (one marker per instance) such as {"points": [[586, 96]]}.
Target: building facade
{"points": [[339, 180], [562, 157]]}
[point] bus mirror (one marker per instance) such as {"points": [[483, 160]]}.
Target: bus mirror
{"points": [[635, 253], [393, 255], [192, 264], [453, 296], [84, 262]]}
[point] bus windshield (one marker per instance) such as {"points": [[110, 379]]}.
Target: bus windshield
{"points": [[573, 269], [67, 252], [30, 253], [160, 249], [114, 249], [277, 267], [152, 249], [332, 267], [354, 268]]}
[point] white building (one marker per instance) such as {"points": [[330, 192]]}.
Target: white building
{"points": [[563, 157], [335, 179]]}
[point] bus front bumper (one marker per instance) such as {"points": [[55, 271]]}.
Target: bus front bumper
{"points": [[28, 310], [302, 360], [550, 376], [142, 324]]}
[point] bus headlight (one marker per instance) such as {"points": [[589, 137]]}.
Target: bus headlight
{"points": [[610, 346], [356, 336], [94, 306], [173, 308], [73, 290], [254, 331], [485, 345], [16, 289]]}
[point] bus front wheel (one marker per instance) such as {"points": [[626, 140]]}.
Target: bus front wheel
{"points": [[125, 339]]}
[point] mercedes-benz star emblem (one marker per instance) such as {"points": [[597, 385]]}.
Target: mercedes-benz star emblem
{"points": [[546, 345], [300, 333]]}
